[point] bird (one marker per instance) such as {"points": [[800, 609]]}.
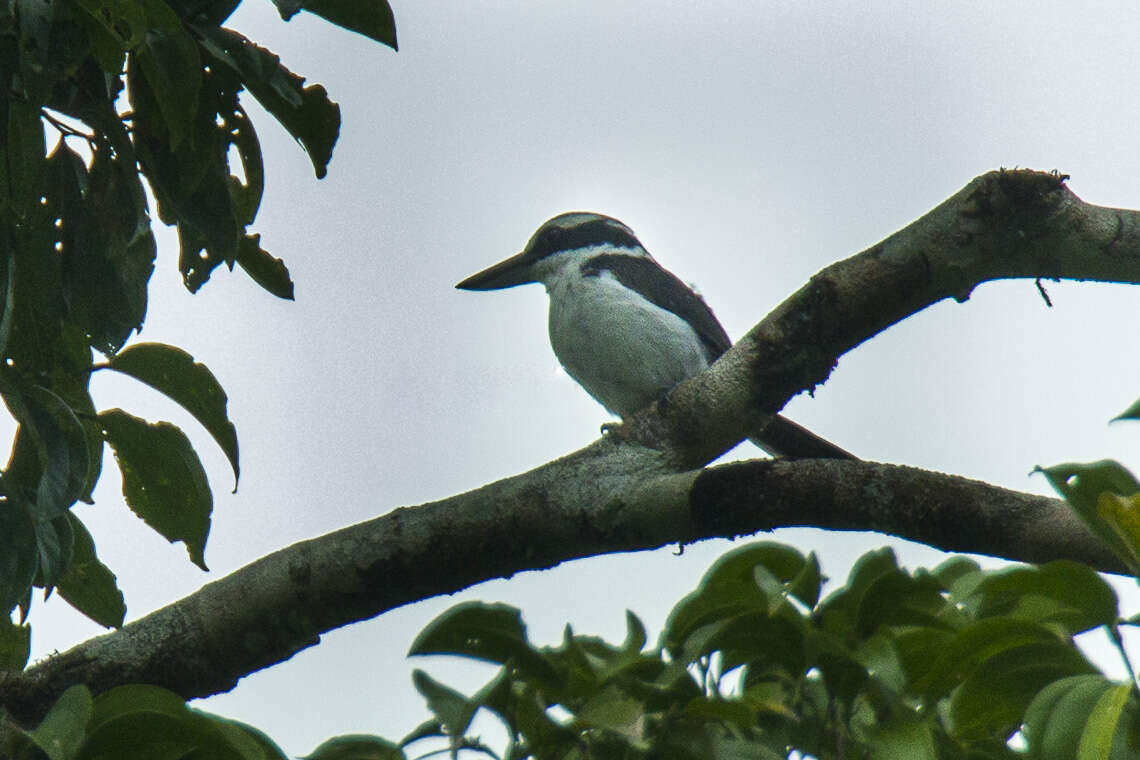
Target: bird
{"points": [[623, 327]]}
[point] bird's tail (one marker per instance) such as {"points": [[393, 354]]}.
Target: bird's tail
{"points": [[782, 437]]}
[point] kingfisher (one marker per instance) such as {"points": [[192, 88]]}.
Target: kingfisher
{"points": [[624, 327]]}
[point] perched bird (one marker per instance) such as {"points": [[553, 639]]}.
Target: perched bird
{"points": [[625, 328]]}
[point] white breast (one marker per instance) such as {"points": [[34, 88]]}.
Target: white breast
{"points": [[625, 351]]}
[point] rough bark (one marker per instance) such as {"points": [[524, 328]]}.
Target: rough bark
{"points": [[644, 487]]}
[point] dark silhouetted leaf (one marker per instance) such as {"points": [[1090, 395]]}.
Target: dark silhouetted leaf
{"points": [[49, 462], [306, 112], [163, 479], [170, 62], [245, 196], [1131, 413], [106, 243], [635, 636], [147, 721], [372, 18], [88, 585], [62, 731], [15, 644], [17, 553], [54, 540], [492, 632], [174, 373], [453, 709], [192, 182], [267, 271], [24, 154], [356, 747]]}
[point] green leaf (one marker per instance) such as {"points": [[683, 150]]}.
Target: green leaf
{"points": [[24, 150], [991, 702], [88, 585], [108, 249], [62, 731], [895, 598], [453, 709], [635, 636], [839, 612], [306, 112], [955, 569], [903, 739], [808, 582], [356, 747], [734, 748], [1065, 593], [1122, 516], [245, 197], [170, 62], [15, 645], [881, 657], [50, 454], [18, 554], [267, 271], [194, 182], [50, 47], [977, 643], [1131, 413], [1103, 723], [173, 372], [754, 578], [54, 541], [109, 31], [1055, 720], [614, 710], [1081, 486], [491, 632], [372, 18], [163, 480], [145, 721], [752, 638], [248, 742]]}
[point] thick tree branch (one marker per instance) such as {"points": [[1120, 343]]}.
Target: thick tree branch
{"points": [[620, 496], [1004, 224], [282, 603]]}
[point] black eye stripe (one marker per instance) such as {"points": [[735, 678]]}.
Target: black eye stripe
{"points": [[594, 232]]}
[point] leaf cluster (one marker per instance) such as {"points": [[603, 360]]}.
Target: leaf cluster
{"points": [[956, 662], [134, 721], [132, 91]]}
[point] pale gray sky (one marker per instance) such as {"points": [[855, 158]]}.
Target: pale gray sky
{"points": [[749, 145]]}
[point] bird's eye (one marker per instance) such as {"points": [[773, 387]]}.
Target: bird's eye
{"points": [[553, 239]]}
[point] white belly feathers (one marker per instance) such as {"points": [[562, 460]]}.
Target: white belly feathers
{"points": [[622, 349]]}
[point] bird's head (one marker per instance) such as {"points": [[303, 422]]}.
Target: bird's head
{"points": [[547, 251]]}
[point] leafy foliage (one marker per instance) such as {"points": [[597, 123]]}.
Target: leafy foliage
{"points": [[100, 95], [135, 721], [957, 662]]}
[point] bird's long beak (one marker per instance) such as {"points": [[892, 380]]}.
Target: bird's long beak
{"points": [[513, 271]]}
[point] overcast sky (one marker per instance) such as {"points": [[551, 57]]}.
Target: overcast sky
{"points": [[748, 145]]}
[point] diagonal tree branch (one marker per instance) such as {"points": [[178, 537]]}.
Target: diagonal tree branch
{"points": [[1004, 224], [643, 490], [282, 603]]}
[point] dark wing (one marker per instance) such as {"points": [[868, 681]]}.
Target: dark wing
{"points": [[662, 288]]}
